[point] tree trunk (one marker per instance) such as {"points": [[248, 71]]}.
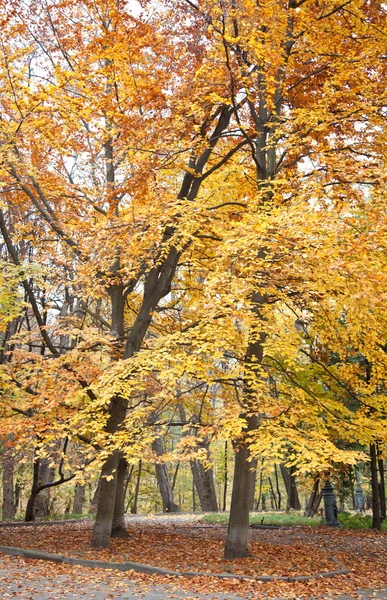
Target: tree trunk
{"points": [[94, 501], [291, 488], [277, 486], [119, 526], [204, 483], [106, 502], [312, 498], [253, 478], [8, 507], [137, 490], [163, 479], [382, 488], [376, 517], [46, 475], [79, 498], [225, 476], [38, 502], [238, 526]]}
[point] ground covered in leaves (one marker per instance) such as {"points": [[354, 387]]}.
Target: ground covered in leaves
{"points": [[290, 551]]}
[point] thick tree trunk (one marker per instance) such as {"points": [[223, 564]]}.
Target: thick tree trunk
{"points": [[376, 517], [238, 526], [46, 475], [119, 526], [79, 498], [8, 506], [106, 502], [291, 488], [38, 502], [163, 479]]}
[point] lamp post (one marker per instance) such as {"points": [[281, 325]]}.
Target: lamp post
{"points": [[330, 508]]}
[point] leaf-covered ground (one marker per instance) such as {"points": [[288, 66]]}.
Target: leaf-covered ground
{"points": [[288, 551]]}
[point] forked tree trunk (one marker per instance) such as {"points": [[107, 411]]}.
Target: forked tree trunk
{"points": [[238, 526], [38, 502], [163, 479], [204, 483], [118, 525], [312, 498], [203, 478]]}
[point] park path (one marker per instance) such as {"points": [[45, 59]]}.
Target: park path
{"points": [[27, 579], [37, 580]]}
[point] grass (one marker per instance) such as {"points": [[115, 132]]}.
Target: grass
{"points": [[348, 521], [269, 519]]}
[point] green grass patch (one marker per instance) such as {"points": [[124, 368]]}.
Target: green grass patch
{"points": [[348, 521], [358, 521], [269, 519]]}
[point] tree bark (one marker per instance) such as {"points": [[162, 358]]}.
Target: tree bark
{"points": [[106, 502], [79, 498], [204, 483], [203, 478], [253, 479], [137, 490], [225, 472], [291, 488], [312, 498], [119, 525], [376, 517], [163, 479], [382, 487], [8, 506], [238, 526]]}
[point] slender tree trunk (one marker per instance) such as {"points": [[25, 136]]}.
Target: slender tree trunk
{"points": [[376, 517], [382, 487], [79, 499], [137, 490], [253, 478], [225, 476], [277, 486], [119, 525], [8, 506], [273, 496]]}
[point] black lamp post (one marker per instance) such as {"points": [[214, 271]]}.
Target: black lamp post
{"points": [[330, 507]]}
